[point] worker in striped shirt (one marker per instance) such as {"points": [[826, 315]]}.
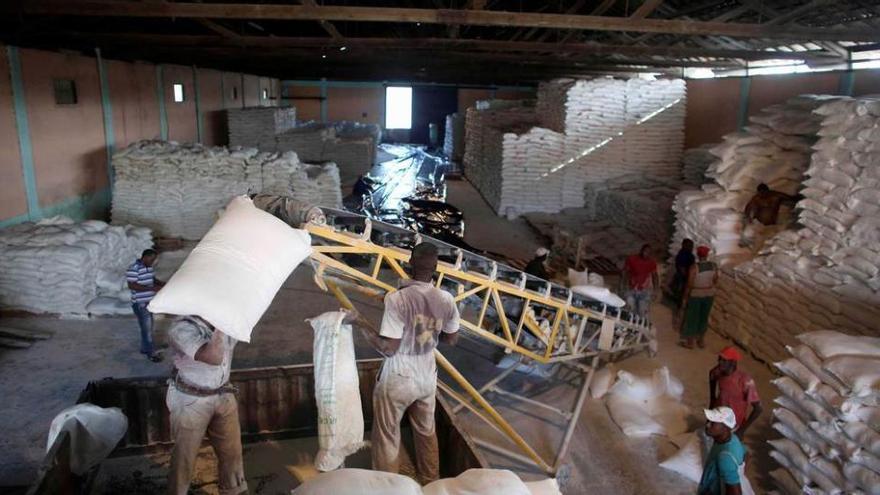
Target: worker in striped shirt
{"points": [[143, 285]]}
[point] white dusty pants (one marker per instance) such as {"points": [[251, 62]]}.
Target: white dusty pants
{"points": [[191, 418], [407, 385]]}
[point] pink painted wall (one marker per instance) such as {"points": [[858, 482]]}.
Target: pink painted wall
{"points": [[67, 140], [251, 91], [712, 110], [232, 93], [13, 201], [134, 102], [867, 82], [769, 90], [306, 109], [181, 116], [214, 129], [353, 103]]}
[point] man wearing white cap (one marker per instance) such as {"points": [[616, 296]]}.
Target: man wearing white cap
{"points": [[724, 467]]}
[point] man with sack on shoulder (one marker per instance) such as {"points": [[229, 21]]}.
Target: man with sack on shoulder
{"points": [[200, 399]]}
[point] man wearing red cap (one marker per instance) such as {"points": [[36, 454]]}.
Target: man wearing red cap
{"points": [[735, 389], [696, 302]]}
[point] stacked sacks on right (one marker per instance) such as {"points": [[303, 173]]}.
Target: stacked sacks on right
{"points": [[828, 415], [773, 149], [825, 274]]}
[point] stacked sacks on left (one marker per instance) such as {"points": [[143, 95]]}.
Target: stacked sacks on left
{"points": [[61, 266]]}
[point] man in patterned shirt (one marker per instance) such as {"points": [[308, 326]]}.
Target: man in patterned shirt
{"points": [[416, 317], [143, 286]]}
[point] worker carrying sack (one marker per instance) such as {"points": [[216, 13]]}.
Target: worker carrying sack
{"points": [[340, 417], [232, 275]]}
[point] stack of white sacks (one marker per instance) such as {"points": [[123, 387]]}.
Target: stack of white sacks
{"points": [[176, 190], [635, 202], [485, 127], [774, 149], [257, 126], [453, 139], [695, 162], [590, 131], [828, 416], [827, 273], [60, 266]]}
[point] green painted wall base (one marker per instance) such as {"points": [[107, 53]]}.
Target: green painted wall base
{"points": [[79, 208]]}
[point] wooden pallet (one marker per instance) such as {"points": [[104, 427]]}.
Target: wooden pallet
{"points": [[21, 338], [601, 265]]}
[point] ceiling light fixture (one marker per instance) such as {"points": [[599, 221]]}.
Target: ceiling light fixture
{"points": [[343, 48]]}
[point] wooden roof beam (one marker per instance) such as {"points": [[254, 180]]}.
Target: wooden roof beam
{"points": [[217, 28], [439, 44], [646, 9], [111, 8], [328, 26]]}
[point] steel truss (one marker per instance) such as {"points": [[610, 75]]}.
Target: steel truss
{"points": [[351, 253]]}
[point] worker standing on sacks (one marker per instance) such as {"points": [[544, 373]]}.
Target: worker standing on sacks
{"points": [[416, 317]]}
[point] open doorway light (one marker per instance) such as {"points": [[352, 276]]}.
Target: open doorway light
{"points": [[398, 107]]}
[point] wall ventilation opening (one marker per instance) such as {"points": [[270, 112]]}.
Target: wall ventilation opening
{"points": [[398, 107], [265, 94], [65, 91], [178, 93], [234, 93]]}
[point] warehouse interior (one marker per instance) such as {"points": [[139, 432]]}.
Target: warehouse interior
{"points": [[540, 146]]}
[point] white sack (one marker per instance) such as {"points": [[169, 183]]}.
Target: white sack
{"points": [[601, 294], [864, 478], [688, 461], [648, 406], [479, 482], [602, 381], [358, 482], [578, 278], [94, 433], [828, 344], [797, 371], [340, 418], [232, 275], [545, 487], [860, 374]]}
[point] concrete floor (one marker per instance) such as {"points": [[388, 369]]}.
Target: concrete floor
{"points": [[38, 382]]}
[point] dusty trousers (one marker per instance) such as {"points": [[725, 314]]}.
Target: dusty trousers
{"points": [[191, 418], [407, 385]]}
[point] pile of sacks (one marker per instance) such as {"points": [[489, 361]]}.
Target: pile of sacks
{"points": [[352, 146], [176, 190], [645, 406], [641, 204], [827, 273], [485, 127], [694, 164], [774, 149], [61, 266], [256, 127], [453, 139], [471, 482], [590, 131], [828, 416], [576, 238]]}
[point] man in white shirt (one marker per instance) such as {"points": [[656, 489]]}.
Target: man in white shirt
{"points": [[416, 317], [200, 399]]}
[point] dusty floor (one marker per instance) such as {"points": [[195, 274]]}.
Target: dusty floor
{"points": [[39, 382]]}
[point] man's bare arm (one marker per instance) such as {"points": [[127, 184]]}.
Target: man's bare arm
{"points": [[757, 409], [140, 288], [212, 352], [383, 345], [732, 489], [449, 338]]}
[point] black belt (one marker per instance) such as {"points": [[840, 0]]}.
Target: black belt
{"points": [[190, 389]]}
